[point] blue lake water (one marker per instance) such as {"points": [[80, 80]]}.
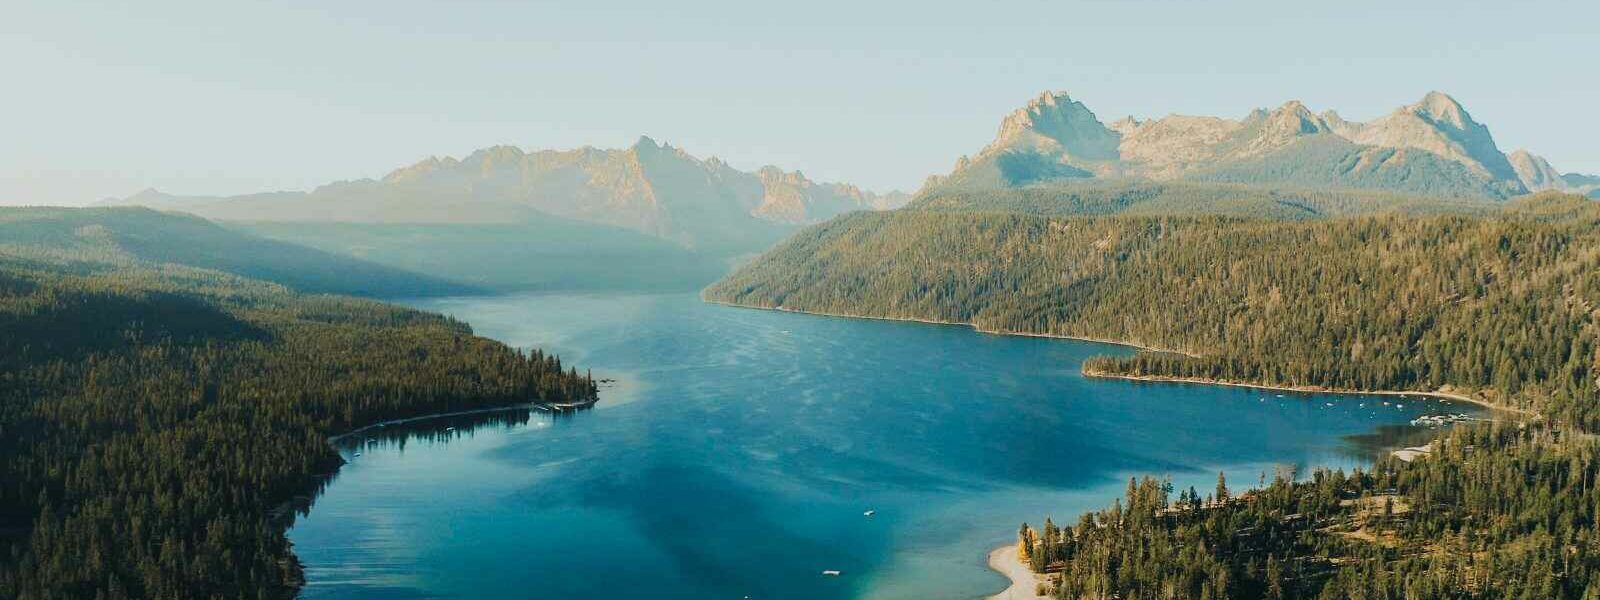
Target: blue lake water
{"points": [[739, 448]]}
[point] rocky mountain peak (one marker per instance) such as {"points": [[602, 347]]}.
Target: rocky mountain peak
{"points": [[1293, 118], [1055, 124], [1535, 172], [1431, 145], [1441, 107]]}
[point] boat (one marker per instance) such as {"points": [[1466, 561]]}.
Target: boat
{"points": [[869, 513], [356, 454], [831, 573]]}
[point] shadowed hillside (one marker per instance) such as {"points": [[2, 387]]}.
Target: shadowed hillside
{"points": [[126, 236]]}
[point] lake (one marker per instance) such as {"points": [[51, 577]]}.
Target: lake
{"points": [[738, 449]]}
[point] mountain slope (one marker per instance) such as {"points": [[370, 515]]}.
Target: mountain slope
{"points": [[650, 188], [1430, 147], [123, 236], [1579, 183], [1535, 172], [1502, 305], [1110, 196], [548, 254], [159, 422]]}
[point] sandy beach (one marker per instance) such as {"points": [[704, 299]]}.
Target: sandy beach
{"points": [[1023, 581]]}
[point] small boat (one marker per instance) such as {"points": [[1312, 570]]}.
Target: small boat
{"points": [[449, 429], [356, 454], [831, 573], [1280, 395], [869, 513], [1328, 403], [1399, 406]]}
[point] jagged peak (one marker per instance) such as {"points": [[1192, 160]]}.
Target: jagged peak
{"points": [[1054, 122], [426, 165], [1294, 118], [1050, 98], [646, 141], [496, 153], [1441, 107]]}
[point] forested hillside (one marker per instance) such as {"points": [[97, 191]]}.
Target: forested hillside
{"points": [[1502, 304], [1504, 307], [154, 416], [1495, 512], [144, 236], [1145, 197], [541, 255]]}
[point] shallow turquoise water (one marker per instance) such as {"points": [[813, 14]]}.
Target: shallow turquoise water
{"points": [[739, 448]]}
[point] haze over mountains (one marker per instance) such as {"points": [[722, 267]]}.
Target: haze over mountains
{"points": [[1430, 147], [649, 188], [653, 215], [650, 216]]}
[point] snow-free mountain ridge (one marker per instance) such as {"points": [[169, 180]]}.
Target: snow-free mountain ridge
{"points": [[1432, 146]]}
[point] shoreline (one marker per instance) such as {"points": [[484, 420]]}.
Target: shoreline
{"points": [[1148, 378], [1003, 560], [282, 515], [457, 413], [969, 325], [1024, 581], [1310, 389]]}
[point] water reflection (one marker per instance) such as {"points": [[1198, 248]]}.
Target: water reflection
{"points": [[751, 443]]}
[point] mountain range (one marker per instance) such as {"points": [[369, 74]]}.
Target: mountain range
{"points": [[649, 188], [1433, 147]]}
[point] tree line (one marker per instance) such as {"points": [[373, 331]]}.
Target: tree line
{"points": [[1495, 512], [156, 419], [1503, 307]]}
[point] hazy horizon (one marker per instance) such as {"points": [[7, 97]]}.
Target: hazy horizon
{"points": [[196, 98]]}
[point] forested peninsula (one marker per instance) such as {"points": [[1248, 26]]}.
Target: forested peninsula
{"points": [[154, 415], [1500, 304]]}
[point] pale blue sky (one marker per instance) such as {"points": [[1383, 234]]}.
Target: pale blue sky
{"points": [[230, 97]]}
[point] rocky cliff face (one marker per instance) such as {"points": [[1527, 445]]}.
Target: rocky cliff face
{"points": [[1432, 146], [1438, 124], [1535, 172]]}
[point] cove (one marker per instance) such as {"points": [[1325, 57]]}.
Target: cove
{"points": [[738, 450]]}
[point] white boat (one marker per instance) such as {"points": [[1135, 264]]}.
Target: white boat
{"points": [[831, 573], [869, 513]]}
